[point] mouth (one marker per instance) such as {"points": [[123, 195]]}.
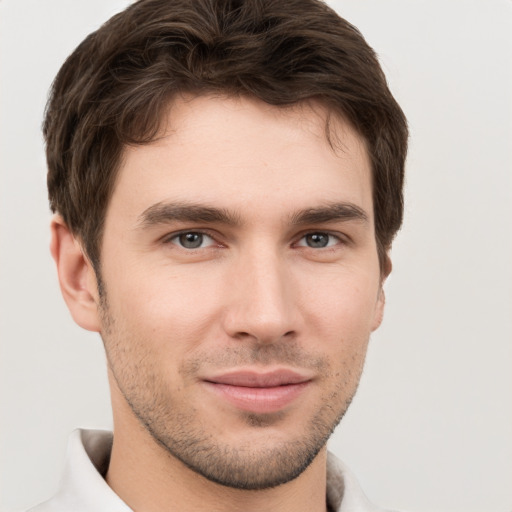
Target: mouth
{"points": [[259, 392]]}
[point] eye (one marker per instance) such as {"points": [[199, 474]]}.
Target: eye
{"points": [[318, 240], [192, 240]]}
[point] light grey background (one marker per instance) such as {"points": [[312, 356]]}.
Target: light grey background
{"points": [[431, 426]]}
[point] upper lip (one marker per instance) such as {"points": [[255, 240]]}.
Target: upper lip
{"points": [[258, 379]]}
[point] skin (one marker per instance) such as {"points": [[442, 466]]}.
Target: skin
{"points": [[257, 190]]}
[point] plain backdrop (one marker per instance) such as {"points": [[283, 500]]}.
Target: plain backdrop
{"points": [[431, 426]]}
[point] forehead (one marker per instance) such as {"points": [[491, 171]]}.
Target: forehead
{"points": [[241, 153]]}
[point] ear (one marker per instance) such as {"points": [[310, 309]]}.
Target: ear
{"points": [[381, 298], [77, 278], [378, 314]]}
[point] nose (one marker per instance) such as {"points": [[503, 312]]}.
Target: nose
{"points": [[262, 304]]}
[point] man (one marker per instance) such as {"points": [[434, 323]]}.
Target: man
{"points": [[227, 180]]}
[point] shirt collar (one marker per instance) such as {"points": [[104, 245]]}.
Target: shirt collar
{"points": [[83, 487], [343, 491]]}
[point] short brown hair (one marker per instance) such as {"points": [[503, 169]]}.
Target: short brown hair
{"points": [[113, 88]]}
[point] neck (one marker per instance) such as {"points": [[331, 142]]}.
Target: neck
{"points": [[147, 478]]}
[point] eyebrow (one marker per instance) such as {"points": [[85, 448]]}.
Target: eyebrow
{"points": [[330, 213], [162, 213]]}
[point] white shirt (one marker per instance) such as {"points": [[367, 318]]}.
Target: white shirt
{"points": [[83, 487]]}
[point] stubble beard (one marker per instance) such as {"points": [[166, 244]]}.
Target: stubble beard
{"points": [[185, 437]]}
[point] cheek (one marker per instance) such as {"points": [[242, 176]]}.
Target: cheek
{"points": [[163, 307], [344, 303]]}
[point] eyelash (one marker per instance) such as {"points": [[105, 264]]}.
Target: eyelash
{"points": [[340, 240]]}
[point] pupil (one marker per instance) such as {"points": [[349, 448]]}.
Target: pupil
{"points": [[317, 240], [191, 240]]}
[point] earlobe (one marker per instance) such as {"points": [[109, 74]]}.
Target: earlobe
{"points": [[77, 278]]}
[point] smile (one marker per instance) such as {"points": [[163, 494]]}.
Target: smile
{"points": [[259, 392]]}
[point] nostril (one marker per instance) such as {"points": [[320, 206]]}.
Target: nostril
{"points": [[243, 334], [261, 337]]}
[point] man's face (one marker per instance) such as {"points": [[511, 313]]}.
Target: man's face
{"points": [[241, 283]]}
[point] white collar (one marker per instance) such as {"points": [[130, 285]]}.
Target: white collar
{"points": [[83, 488]]}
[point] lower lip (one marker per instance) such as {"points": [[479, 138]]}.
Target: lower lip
{"points": [[259, 400]]}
